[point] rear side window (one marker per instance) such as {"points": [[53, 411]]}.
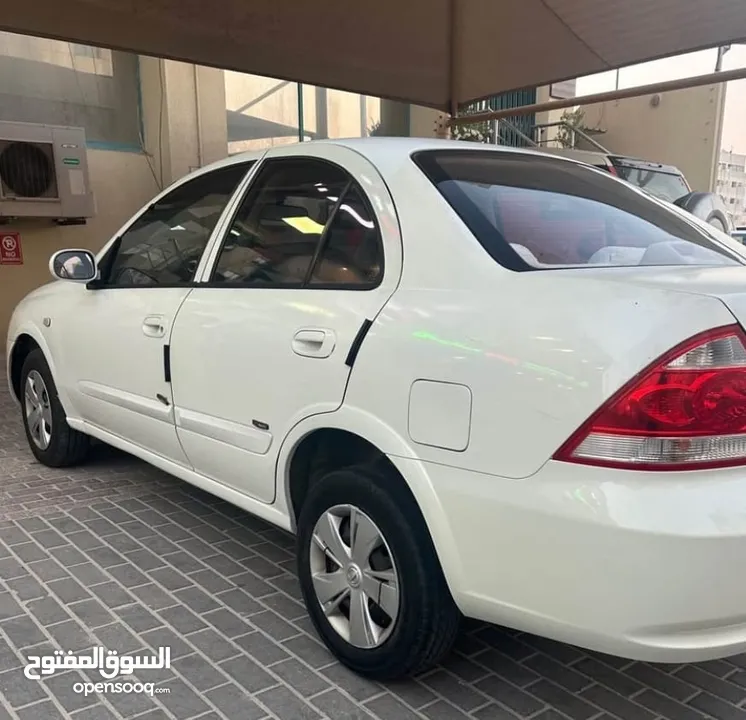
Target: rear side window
{"points": [[303, 223], [535, 212]]}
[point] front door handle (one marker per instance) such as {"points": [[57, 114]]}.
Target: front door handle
{"points": [[314, 342], [154, 326]]}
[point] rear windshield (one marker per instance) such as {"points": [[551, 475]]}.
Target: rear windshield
{"points": [[537, 212], [664, 185]]}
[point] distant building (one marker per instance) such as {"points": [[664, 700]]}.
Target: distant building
{"points": [[731, 184]]}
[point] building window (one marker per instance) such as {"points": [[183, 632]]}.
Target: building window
{"points": [[59, 83]]}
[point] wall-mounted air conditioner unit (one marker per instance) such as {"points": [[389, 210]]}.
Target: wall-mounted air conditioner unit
{"points": [[44, 173]]}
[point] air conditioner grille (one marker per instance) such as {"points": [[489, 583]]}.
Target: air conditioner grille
{"points": [[27, 170]]}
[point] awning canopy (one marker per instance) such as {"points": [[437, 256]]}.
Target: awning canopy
{"points": [[428, 52]]}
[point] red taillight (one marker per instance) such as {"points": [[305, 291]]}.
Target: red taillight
{"points": [[686, 411], [612, 169]]}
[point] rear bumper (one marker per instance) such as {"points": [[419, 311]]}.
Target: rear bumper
{"points": [[646, 566]]}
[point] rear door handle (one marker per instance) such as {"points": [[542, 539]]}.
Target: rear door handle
{"points": [[314, 342], [154, 326]]}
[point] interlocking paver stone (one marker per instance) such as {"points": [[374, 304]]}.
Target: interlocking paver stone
{"points": [[116, 553]]}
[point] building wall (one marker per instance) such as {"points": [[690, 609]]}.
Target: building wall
{"points": [[734, 127], [148, 122], [681, 128], [181, 125], [122, 182], [264, 112], [546, 136], [731, 184]]}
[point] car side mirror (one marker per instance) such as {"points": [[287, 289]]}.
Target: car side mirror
{"points": [[76, 265]]}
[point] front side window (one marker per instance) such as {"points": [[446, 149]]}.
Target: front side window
{"points": [[304, 223], [165, 244], [533, 212]]}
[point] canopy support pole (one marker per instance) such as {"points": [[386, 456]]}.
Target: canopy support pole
{"points": [[661, 87], [301, 115], [453, 69]]}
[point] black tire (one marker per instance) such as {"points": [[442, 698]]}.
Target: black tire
{"points": [[428, 619], [66, 446]]}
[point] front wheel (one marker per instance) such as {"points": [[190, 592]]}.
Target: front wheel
{"points": [[52, 441], [370, 576]]}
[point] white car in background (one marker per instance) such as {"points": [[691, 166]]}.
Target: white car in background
{"points": [[474, 381]]}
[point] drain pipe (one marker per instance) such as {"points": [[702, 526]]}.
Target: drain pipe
{"points": [[198, 115]]}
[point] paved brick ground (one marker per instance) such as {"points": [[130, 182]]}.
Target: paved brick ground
{"points": [[120, 555]]}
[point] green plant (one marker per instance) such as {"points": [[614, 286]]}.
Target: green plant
{"points": [[375, 130], [474, 132], [572, 120]]}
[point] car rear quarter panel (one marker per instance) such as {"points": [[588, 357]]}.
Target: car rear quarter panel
{"points": [[540, 351]]}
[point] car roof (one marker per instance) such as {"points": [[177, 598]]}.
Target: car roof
{"points": [[376, 149]]}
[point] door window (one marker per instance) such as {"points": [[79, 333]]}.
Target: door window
{"points": [[164, 245], [303, 223], [351, 254]]}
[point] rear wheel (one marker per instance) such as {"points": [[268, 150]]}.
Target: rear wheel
{"points": [[52, 441], [370, 577]]}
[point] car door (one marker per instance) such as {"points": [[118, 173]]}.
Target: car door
{"points": [[114, 337], [307, 259]]}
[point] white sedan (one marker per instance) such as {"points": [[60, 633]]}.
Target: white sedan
{"points": [[473, 381]]}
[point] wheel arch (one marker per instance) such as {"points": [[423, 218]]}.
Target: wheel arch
{"points": [[367, 435], [24, 344], [28, 338]]}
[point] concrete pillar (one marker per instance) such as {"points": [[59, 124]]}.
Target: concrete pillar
{"points": [[425, 122], [213, 128], [183, 115], [547, 136], [404, 120], [394, 119], [322, 113]]}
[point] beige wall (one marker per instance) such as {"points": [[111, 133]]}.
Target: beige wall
{"points": [[183, 109], [734, 123], [186, 107], [122, 182], [425, 122], [683, 129], [326, 113], [547, 136], [184, 127]]}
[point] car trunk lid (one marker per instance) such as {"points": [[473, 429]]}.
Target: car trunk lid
{"points": [[728, 284]]}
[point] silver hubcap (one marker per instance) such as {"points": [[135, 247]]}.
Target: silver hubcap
{"points": [[354, 576], [38, 410]]}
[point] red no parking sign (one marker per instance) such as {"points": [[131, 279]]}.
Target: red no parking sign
{"points": [[10, 248]]}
